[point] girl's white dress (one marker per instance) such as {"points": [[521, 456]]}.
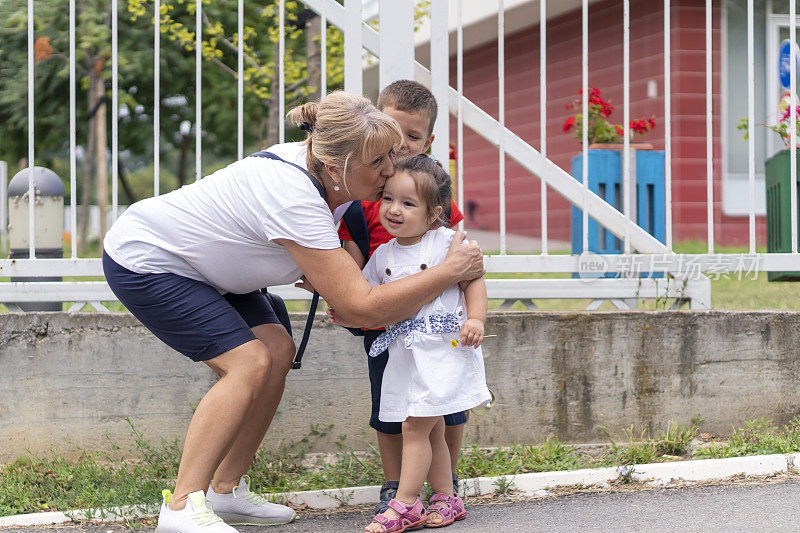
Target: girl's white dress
{"points": [[428, 373]]}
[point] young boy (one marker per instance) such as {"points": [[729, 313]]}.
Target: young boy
{"points": [[413, 106]]}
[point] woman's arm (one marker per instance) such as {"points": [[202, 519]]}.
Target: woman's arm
{"points": [[337, 278]]}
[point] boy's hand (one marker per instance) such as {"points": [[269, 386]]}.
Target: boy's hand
{"points": [[304, 284], [472, 333], [333, 318]]}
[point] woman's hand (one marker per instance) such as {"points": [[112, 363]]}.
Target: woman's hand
{"points": [[304, 284], [465, 260], [472, 333], [333, 318]]}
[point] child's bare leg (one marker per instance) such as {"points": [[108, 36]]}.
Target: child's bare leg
{"points": [[416, 462], [454, 436], [440, 474], [391, 449]]}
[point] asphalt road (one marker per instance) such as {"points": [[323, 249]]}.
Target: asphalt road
{"points": [[770, 506]]}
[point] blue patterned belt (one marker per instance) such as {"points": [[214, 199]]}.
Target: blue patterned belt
{"points": [[439, 323]]}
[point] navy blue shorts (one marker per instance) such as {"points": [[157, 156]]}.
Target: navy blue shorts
{"points": [[190, 316], [377, 365]]}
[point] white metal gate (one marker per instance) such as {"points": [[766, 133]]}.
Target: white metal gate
{"points": [[394, 46]]}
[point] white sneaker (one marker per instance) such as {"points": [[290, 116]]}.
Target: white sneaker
{"points": [[242, 507], [194, 518]]}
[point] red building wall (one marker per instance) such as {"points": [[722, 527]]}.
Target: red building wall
{"points": [[605, 72]]}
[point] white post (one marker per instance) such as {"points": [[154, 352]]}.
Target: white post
{"points": [[156, 98], [751, 146], [353, 77], [396, 41], [585, 122], [668, 123], [281, 71], [710, 131], [240, 81], [440, 81], [543, 112], [3, 204], [73, 188], [198, 82], [114, 112], [323, 56], [793, 121], [460, 108], [501, 105], [31, 100]]}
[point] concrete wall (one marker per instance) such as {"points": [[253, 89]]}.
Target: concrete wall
{"points": [[67, 380]]}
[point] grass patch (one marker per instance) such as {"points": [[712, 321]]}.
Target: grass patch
{"points": [[112, 478], [757, 437]]}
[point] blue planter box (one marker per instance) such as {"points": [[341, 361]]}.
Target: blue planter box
{"points": [[605, 180]]}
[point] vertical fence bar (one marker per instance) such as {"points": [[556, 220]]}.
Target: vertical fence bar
{"points": [[396, 42], [281, 72], [31, 116], [3, 204], [751, 141], [626, 114], [73, 164], [668, 123], [543, 112], [323, 56], [585, 122], [460, 126], [157, 98], [353, 80], [114, 112], [793, 120], [198, 81], [709, 132], [240, 82], [501, 97], [440, 80]]}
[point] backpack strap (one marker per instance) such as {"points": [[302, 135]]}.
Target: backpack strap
{"points": [[356, 224], [296, 362]]}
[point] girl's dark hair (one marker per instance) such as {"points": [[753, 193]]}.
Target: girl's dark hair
{"points": [[433, 185]]}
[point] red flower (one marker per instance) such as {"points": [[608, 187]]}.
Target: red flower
{"points": [[600, 129]]}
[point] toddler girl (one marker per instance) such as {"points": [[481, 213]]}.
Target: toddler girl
{"points": [[435, 363]]}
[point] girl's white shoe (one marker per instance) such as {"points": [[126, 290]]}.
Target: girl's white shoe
{"points": [[242, 507], [196, 517]]}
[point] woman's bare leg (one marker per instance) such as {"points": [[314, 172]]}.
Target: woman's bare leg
{"points": [[259, 416], [218, 419]]}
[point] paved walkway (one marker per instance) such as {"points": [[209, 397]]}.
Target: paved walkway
{"points": [[749, 506]]}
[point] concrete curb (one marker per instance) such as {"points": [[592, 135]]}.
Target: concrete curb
{"points": [[524, 484]]}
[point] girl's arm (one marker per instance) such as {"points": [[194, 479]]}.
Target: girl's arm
{"points": [[337, 278], [477, 304], [352, 248]]}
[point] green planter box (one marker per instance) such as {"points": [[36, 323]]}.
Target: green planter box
{"points": [[779, 218]]}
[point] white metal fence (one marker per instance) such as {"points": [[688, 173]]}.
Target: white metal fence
{"points": [[394, 47]]}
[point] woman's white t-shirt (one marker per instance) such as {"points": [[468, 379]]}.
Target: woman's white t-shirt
{"points": [[222, 229]]}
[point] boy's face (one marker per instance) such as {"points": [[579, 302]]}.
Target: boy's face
{"points": [[416, 139]]}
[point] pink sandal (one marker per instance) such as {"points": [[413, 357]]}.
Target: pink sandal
{"points": [[450, 508], [411, 517]]}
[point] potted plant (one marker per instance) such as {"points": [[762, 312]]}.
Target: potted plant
{"points": [[606, 172], [777, 174]]}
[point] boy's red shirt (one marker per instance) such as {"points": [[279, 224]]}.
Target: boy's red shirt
{"points": [[377, 233]]}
